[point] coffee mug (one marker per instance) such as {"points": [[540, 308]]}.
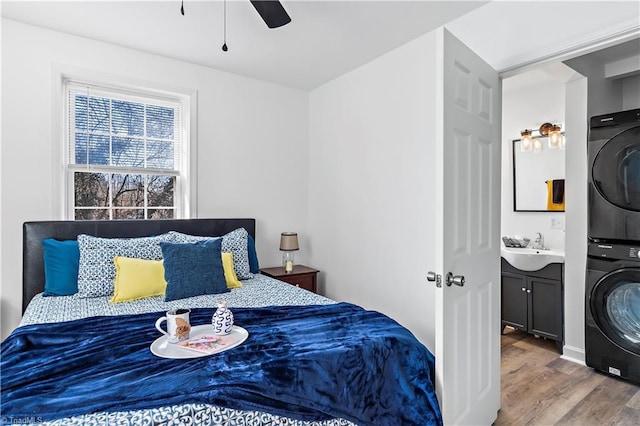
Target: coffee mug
{"points": [[178, 326]]}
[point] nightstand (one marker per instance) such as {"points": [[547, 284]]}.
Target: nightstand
{"points": [[302, 276]]}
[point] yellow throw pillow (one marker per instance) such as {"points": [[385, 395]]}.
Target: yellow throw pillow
{"points": [[229, 273], [137, 279]]}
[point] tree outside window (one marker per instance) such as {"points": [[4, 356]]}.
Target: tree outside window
{"points": [[124, 154]]}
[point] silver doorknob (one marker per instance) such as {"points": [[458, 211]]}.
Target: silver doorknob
{"points": [[432, 276], [454, 279]]}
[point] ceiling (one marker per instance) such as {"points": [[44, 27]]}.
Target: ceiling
{"points": [[324, 40], [510, 34], [529, 40], [329, 38]]}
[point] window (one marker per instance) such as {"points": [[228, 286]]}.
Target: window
{"points": [[125, 156]]}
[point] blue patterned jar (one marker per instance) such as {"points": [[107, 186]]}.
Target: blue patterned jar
{"points": [[222, 319]]}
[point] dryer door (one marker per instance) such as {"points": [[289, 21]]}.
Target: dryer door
{"points": [[616, 170], [615, 306]]}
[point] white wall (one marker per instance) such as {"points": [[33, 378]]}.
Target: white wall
{"points": [[371, 168], [576, 215], [247, 131], [604, 95], [631, 92], [527, 107]]}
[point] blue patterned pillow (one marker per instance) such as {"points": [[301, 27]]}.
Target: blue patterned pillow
{"points": [[97, 270], [192, 269], [235, 242]]}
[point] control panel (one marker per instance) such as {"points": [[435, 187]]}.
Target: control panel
{"points": [[622, 117], [614, 251]]}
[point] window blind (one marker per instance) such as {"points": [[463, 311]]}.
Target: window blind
{"points": [[116, 129]]}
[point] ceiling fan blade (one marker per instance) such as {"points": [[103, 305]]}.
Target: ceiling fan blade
{"points": [[271, 12]]}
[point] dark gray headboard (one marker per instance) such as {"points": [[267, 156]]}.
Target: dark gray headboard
{"points": [[34, 232]]}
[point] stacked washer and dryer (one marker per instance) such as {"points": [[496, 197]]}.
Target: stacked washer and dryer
{"points": [[612, 310]]}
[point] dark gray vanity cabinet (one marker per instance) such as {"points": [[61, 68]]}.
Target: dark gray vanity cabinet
{"points": [[532, 301]]}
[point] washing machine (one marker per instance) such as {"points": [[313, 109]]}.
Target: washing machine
{"points": [[613, 150], [612, 309]]}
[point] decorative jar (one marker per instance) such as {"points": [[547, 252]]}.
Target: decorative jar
{"points": [[222, 320]]}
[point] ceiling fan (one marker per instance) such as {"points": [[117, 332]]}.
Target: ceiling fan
{"points": [[271, 11]]}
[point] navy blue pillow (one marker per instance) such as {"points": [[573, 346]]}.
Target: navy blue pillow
{"points": [[61, 262], [254, 267], [193, 269]]}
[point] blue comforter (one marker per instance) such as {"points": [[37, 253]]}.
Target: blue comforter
{"points": [[303, 362]]}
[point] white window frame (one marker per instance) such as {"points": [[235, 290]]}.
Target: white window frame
{"points": [[62, 182]]}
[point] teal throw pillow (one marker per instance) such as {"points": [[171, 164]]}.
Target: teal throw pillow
{"points": [[254, 266], [61, 260]]}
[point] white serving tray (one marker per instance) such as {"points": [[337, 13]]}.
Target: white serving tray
{"points": [[162, 348]]}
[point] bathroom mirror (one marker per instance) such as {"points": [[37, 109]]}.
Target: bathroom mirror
{"points": [[534, 174]]}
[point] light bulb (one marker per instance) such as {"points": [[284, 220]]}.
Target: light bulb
{"points": [[555, 137], [537, 146], [525, 140]]}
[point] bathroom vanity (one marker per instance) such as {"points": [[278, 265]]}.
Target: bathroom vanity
{"points": [[532, 301]]}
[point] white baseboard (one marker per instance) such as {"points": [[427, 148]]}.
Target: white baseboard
{"points": [[573, 354]]}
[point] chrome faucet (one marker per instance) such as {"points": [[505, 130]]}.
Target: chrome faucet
{"points": [[538, 243]]}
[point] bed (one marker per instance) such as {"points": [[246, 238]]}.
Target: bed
{"points": [[85, 358]]}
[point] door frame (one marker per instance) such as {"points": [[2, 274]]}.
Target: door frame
{"points": [[571, 52]]}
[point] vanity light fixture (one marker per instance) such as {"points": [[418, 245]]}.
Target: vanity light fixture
{"points": [[530, 143]]}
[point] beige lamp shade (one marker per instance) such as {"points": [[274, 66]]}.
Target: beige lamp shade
{"points": [[289, 241]]}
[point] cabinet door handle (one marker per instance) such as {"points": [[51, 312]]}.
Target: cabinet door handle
{"points": [[524, 289], [528, 291]]}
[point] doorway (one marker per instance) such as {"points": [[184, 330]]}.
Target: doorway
{"points": [[557, 91]]}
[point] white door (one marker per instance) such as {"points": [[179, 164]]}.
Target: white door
{"points": [[468, 240]]}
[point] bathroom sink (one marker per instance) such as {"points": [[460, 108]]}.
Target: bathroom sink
{"points": [[528, 259]]}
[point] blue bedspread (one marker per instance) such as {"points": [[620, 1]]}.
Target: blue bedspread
{"points": [[303, 362]]}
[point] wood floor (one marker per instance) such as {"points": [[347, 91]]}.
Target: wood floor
{"points": [[540, 388]]}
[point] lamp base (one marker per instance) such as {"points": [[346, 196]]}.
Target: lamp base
{"points": [[287, 261]]}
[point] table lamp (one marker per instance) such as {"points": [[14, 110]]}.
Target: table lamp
{"points": [[288, 245]]}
